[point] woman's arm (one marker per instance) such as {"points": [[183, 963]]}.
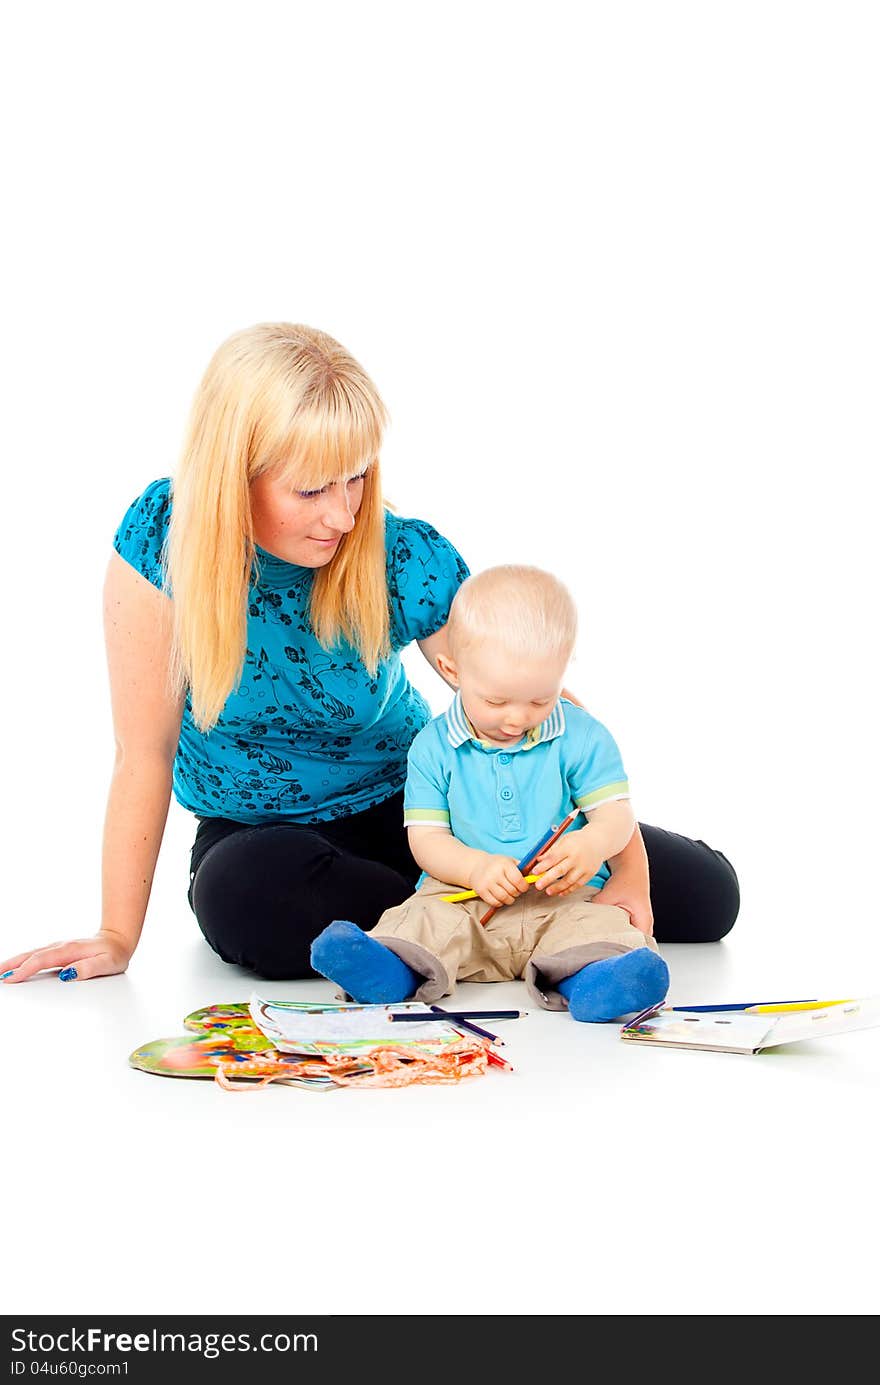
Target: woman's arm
{"points": [[146, 723], [435, 644], [630, 885], [577, 855]]}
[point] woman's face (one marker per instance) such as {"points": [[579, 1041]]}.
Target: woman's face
{"points": [[303, 527]]}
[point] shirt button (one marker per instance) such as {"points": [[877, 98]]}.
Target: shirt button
{"points": [[504, 759], [507, 795]]}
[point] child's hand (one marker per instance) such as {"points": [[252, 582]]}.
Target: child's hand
{"points": [[569, 863], [497, 879]]}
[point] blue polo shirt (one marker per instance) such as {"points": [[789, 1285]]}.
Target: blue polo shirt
{"points": [[505, 799], [308, 735]]}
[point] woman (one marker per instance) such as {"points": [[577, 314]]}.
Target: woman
{"points": [[254, 616]]}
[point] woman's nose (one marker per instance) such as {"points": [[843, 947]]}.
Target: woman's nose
{"points": [[337, 513]]}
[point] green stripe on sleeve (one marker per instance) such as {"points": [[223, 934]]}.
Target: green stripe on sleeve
{"points": [[591, 800], [413, 817]]}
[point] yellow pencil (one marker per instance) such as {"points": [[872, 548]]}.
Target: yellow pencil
{"points": [[795, 1005], [472, 894]]}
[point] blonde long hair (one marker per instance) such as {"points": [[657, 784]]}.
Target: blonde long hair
{"points": [[283, 396]]}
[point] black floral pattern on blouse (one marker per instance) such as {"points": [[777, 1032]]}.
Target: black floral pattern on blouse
{"points": [[309, 734]]}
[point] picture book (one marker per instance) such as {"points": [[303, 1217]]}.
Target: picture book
{"points": [[194, 1055], [226, 1041], [294, 1026], [736, 1031], [316, 1046]]}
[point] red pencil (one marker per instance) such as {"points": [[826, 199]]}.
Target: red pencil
{"points": [[494, 1058], [497, 1060]]}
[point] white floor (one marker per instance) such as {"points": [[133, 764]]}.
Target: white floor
{"points": [[598, 1178], [626, 330]]}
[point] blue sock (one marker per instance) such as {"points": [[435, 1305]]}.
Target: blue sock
{"points": [[365, 969], [616, 986]]}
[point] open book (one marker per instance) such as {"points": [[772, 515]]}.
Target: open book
{"points": [[308, 1027], [308, 1044], [734, 1031]]}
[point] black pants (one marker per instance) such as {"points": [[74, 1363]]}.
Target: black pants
{"points": [[262, 894]]}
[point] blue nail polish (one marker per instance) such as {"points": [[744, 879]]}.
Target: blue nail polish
{"points": [[5, 974], [68, 974]]}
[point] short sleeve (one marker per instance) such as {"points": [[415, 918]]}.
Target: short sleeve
{"points": [[424, 573], [597, 775], [425, 800], [140, 538]]}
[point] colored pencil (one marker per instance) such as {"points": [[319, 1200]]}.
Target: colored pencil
{"points": [[546, 841], [759, 1007], [644, 1015], [794, 1005], [747, 1005], [417, 1016], [459, 1023], [497, 1061], [472, 894]]}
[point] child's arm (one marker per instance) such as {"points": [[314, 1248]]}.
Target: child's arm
{"points": [[575, 858], [495, 878]]}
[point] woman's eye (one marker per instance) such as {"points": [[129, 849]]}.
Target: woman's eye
{"points": [[310, 495]]}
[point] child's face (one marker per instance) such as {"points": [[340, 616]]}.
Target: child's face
{"points": [[505, 696]]}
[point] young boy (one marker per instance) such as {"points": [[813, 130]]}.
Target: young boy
{"points": [[485, 782]]}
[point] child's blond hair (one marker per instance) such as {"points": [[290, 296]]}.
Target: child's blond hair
{"points": [[522, 610]]}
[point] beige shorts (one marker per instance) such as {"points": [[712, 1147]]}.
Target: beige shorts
{"points": [[539, 938]]}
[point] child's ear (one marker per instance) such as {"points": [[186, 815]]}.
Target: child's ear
{"points": [[447, 669]]}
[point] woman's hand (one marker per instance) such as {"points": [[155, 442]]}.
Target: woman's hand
{"points": [[634, 898], [497, 879], [104, 955]]}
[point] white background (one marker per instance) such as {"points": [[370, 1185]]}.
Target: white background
{"points": [[614, 270]]}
